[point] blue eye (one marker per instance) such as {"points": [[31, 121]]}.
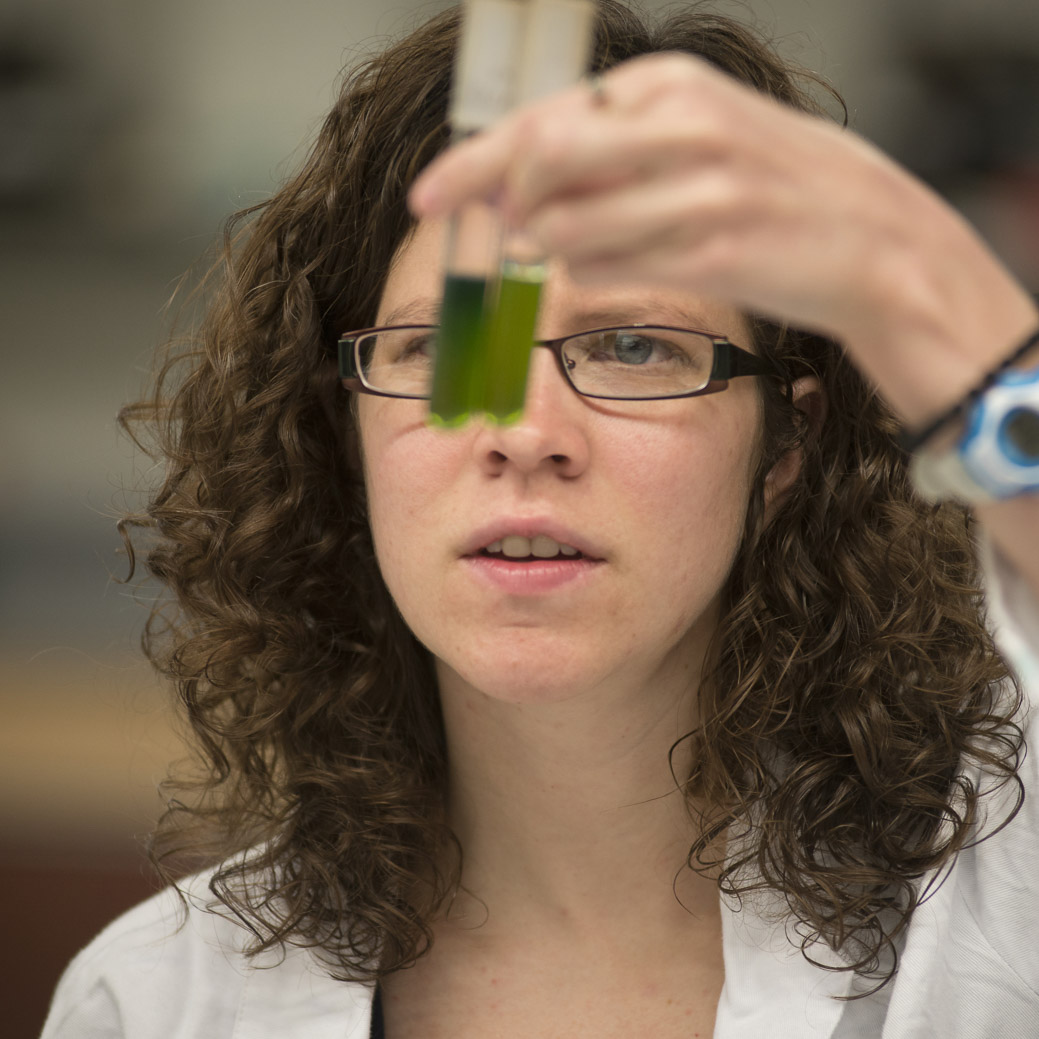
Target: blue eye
{"points": [[634, 362], [634, 349]]}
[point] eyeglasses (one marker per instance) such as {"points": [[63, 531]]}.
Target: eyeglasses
{"points": [[632, 362]]}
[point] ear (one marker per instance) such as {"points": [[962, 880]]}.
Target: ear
{"points": [[810, 399]]}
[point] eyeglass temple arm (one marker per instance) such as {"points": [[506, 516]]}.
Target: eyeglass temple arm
{"points": [[731, 360], [347, 367]]}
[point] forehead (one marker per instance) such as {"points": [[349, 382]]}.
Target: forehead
{"points": [[413, 291]]}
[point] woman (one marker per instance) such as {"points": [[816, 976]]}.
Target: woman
{"points": [[490, 717]]}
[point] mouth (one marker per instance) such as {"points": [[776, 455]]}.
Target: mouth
{"points": [[531, 557], [519, 549], [531, 545]]}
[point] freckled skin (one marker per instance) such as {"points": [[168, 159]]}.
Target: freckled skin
{"points": [[661, 487]]}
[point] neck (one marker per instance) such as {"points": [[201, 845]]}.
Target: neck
{"points": [[568, 813]]}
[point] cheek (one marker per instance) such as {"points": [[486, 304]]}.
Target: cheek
{"points": [[692, 504], [704, 468], [407, 470]]}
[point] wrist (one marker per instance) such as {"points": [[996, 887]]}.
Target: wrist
{"points": [[939, 311], [994, 456], [1009, 382]]}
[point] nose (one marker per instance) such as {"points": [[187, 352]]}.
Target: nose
{"points": [[552, 434]]}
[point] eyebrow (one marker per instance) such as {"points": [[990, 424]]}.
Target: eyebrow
{"points": [[422, 310], [646, 311]]}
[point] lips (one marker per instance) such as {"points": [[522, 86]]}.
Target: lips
{"points": [[541, 546], [531, 538]]}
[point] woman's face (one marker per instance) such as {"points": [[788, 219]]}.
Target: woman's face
{"points": [[652, 495]]}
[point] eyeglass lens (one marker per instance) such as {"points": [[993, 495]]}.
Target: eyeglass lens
{"points": [[622, 362]]}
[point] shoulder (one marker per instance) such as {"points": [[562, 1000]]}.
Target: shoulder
{"points": [[173, 966]]}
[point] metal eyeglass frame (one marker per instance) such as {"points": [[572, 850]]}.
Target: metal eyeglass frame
{"points": [[730, 361]]}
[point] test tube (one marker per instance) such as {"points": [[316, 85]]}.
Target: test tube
{"points": [[555, 51], [510, 335], [473, 248], [511, 51], [482, 92]]}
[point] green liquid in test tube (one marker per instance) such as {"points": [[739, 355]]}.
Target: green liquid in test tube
{"points": [[510, 52], [461, 355], [510, 340]]}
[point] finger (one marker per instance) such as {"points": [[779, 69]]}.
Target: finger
{"points": [[656, 125], [475, 168], [734, 242], [668, 214], [566, 159], [567, 138], [467, 171]]}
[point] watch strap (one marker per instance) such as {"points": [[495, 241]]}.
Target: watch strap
{"points": [[997, 455]]}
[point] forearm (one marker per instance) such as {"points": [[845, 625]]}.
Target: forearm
{"points": [[945, 317]]}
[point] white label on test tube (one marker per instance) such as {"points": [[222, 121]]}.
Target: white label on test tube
{"points": [[557, 47], [485, 74]]}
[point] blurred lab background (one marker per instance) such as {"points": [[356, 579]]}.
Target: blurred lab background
{"points": [[129, 129]]}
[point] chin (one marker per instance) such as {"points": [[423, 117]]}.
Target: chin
{"points": [[527, 680]]}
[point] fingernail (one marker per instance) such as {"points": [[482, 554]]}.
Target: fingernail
{"points": [[423, 199]]}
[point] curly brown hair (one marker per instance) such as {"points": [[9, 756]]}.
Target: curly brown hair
{"points": [[851, 680]]}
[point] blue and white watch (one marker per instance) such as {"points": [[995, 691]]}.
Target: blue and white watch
{"points": [[997, 457]]}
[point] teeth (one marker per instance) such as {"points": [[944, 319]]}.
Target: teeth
{"points": [[516, 546], [544, 547]]}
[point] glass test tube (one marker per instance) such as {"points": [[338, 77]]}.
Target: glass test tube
{"points": [[554, 52], [511, 51], [482, 92], [473, 248], [510, 336]]}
